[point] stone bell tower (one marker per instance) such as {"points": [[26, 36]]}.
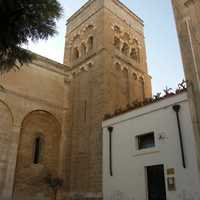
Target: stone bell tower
{"points": [[105, 50]]}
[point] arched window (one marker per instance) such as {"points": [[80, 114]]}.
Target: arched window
{"points": [[126, 37], [135, 55], [142, 88], [89, 28], [118, 66], [117, 42], [90, 43], [138, 55], [117, 29], [90, 65], [135, 42], [134, 76], [83, 49], [75, 53], [125, 49], [38, 150]]}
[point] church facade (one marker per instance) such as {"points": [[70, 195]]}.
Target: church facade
{"points": [[51, 113]]}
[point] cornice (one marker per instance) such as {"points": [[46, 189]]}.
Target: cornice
{"points": [[127, 10], [79, 10], [131, 65]]}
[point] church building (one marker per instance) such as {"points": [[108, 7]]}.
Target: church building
{"points": [[51, 113]]}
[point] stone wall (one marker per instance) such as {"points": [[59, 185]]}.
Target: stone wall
{"points": [[103, 78], [31, 103], [187, 15]]}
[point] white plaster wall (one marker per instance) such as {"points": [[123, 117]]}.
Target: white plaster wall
{"points": [[129, 178]]}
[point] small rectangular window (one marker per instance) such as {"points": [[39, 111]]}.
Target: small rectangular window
{"points": [[146, 141]]}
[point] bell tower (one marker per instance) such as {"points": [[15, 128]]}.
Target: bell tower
{"points": [[105, 50]]}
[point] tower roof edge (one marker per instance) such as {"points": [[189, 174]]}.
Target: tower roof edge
{"points": [[128, 10], [118, 2]]}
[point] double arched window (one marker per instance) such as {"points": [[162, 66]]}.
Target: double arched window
{"points": [[38, 149], [83, 49], [133, 53]]}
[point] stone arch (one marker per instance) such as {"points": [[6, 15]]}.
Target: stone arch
{"points": [[134, 86], [125, 72], [83, 49], [6, 125], [90, 43], [141, 84], [134, 76], [30, 177], [76, 53], [89, 28], [118, 66], [74, 74], [124, 87], [116, 29], [135, 42], [76, 37], [126, 36], [141, 78], [125, 49], [90, 65], [6, 120], [117, 42], [134, 54], [135, 51]]}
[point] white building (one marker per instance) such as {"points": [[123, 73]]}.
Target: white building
{"points": [[148, 156]]}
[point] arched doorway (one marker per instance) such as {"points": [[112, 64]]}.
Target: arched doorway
{"points": [[38, 155]]}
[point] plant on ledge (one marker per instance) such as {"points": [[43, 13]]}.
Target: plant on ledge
{"points": [[54, 183]]}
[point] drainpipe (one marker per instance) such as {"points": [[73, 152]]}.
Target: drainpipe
{"points": [[177, 108], [110, 129]]}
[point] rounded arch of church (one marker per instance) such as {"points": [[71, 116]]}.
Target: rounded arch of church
{"points": [[6, 116], [30, 176], [6, 124]]}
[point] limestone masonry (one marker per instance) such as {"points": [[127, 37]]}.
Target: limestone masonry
{"points": [[51, 113], [187, 15]]}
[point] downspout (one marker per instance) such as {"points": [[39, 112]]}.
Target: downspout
{"points": [[177, 108], [110, 129]]}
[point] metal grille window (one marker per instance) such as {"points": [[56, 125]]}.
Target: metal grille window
{"points": [[146, 141]]}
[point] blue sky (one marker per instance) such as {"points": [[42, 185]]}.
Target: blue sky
{"points": [[163, 52]]}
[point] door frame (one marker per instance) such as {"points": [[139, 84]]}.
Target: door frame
{"points": [[146, 179]]}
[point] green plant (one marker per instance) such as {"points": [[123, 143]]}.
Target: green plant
{"points": [[55, 183]]}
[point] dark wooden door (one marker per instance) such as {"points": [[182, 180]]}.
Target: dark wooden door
{"points": [[156, 183]]}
